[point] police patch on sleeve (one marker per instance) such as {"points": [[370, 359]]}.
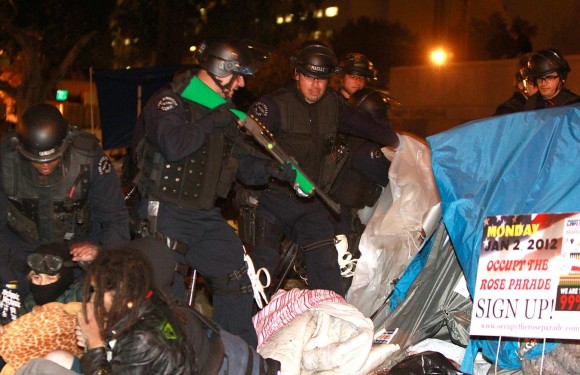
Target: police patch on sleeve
{"points": [[167, 103], [261, 109], [104, 166]]}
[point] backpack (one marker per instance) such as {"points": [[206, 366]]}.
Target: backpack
{"points": [[222, 353]]}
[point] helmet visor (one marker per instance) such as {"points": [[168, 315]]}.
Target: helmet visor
{"points": [[42, 156]]}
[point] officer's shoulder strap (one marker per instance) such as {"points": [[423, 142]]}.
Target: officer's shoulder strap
{"points": [[8, 162], [85, 143], [181, 80]]}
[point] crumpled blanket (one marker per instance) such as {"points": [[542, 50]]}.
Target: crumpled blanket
{"points": [[330, 338], [285, 305]]}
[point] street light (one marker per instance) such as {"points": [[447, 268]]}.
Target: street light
{"points": [[439, 56]]}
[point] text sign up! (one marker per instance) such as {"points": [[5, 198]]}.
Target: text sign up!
{"points": [[528, 277]]}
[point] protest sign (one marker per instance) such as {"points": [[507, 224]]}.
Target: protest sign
{"points": [[528, 277]]}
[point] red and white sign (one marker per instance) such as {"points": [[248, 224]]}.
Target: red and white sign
{"points": [[528, 277]]}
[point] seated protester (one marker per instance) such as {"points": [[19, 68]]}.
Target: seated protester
{"points": [[127, 325], [51, 277]]}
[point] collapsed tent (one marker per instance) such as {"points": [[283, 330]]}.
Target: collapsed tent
{"points": [[404, 212], [430, 299], [520, 163]]}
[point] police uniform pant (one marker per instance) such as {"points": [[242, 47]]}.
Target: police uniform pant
{"points": [[306, 222], [215, 251], [13, 265]]}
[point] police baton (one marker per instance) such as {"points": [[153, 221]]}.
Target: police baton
{"points": [[263, 136]]}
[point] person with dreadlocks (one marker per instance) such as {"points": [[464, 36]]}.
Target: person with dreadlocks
{"points": [[50, 278], [126, 325]]}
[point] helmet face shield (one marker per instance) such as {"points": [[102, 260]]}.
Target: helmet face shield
{"points": [[225, 57], [42, 134], [314, 71], [373, 101], [545, 62], [358, 64], [43, 156]]}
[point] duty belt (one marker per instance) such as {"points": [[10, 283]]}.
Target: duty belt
{"points": [[171, 243], [177, 246]]}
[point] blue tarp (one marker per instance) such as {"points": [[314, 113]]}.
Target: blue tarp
{"points": [[411, 272], [117, 91], [520, 163]]}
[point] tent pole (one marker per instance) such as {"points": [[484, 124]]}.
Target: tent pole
{"points": [[139, 98], [91, 99]]}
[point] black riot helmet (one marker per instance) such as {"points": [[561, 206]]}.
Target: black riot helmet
{"points": [[547, 61], [373, 101], [359, 64], [42, 134], [315, 60], [226, 56], [522, 68]]}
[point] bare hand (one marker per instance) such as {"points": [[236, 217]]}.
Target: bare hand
{"points": [[84, 252], [89, 329], [81, 339]]}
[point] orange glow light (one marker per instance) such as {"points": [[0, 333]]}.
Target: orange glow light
{"points": [[439, 57]]}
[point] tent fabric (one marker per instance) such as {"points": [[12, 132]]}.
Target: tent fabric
{"points": [[429, 298], [120, 100], [394, 233], [519, 163]]}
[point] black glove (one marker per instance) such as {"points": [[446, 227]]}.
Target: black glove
{"points": [[281, 172], [219, 117]]}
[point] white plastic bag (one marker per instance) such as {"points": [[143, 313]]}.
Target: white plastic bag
{"points": [[394, 233]]}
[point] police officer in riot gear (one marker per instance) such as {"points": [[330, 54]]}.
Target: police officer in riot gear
{"points": [[524, 86], [356, 71], [188, 158], [364, 176], [304, 117], [548, 69], [361, 181], [56, 185]]}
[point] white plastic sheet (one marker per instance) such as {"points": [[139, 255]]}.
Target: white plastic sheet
{"points": [[394, 233]]}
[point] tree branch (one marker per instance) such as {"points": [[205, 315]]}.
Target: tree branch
{"points": [[70, 58]]}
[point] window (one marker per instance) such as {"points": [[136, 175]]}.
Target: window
{"points": [[331, 12]]}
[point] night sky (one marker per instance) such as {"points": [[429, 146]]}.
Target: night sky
{"points": [[557, 20]]}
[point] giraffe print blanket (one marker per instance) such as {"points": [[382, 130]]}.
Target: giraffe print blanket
{"points": [[46, 328]]}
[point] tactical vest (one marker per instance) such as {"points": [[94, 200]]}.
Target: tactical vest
{"points": [[308, 132], [197, 180], [50, 208]]}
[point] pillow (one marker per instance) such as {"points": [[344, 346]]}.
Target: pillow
{"points": [[46, 328]]}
